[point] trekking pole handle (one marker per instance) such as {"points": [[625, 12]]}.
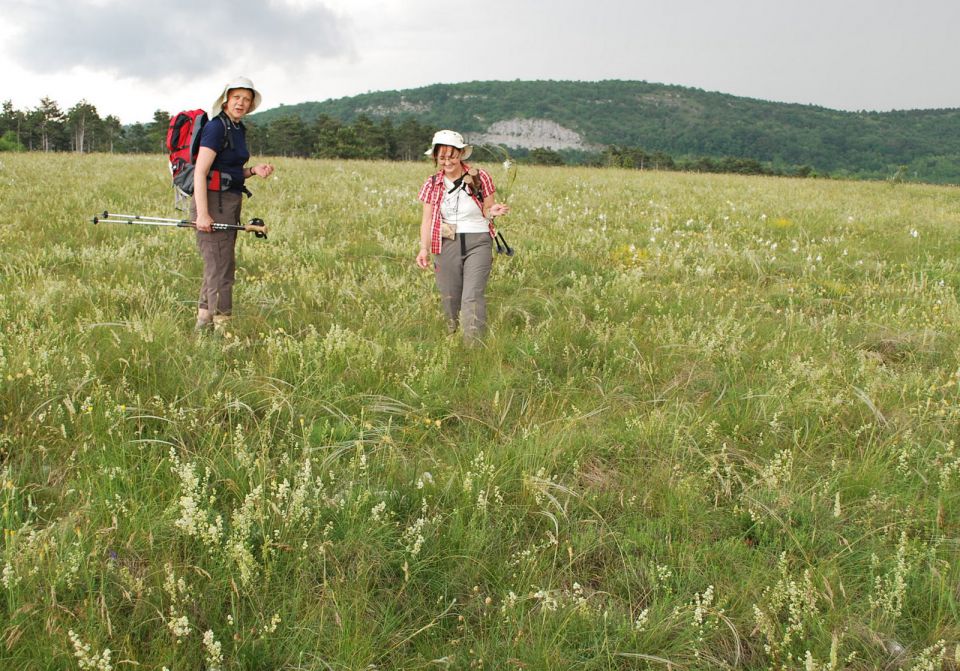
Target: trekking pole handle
{"points": [[257, 227]]}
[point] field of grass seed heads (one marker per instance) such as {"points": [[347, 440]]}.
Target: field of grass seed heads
{"points": [[713, 426]]}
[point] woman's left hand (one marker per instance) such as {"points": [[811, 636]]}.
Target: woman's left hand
{"points": [[262, 169], [499, 209]]}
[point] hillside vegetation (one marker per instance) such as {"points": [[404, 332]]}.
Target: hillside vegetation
{"points": [[675, 120], [714, 426]]}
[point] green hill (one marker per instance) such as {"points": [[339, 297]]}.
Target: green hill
{"points": [[679, 121]]}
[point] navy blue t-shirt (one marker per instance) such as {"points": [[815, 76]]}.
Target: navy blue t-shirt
{"points": [[232, 158]]}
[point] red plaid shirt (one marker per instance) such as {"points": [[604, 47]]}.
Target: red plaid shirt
{"points": [[432, 193]]}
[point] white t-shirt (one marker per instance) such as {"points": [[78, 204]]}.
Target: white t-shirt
{"points": [[459, 208]]}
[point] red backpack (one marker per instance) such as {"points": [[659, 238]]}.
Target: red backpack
{"points": [[183, 145]]}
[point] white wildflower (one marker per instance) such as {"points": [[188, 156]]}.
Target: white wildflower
{"points": [[10, 579], [413, 536], [889, 591], [931, 659], [214, 653], [86, 660], [546, 598], [178, 625], [274, 623]]}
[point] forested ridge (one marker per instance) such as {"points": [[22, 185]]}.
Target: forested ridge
{"points": [[680, 122], [630, 124]]}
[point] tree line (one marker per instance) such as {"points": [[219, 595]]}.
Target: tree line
{"points": [[81, 129], [635, 157], [49, 128]]}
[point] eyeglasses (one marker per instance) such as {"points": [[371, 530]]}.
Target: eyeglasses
{"points": [[448, 159]]}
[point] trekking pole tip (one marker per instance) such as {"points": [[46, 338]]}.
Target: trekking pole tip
{"points": [[508, 250]]}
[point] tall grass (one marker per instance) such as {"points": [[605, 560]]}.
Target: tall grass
{"points": [[714, 425]]}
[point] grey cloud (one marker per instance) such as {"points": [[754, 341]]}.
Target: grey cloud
{"points": [[174, 38]]}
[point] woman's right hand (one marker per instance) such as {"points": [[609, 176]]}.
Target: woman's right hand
{"points": [[204, 223], [498, 209], [423, 259]]}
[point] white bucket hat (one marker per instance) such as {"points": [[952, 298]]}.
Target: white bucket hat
{"points": [[236, 83], [452, 139]]}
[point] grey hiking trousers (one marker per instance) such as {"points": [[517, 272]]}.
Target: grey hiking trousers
{"points": [[462, 270]]}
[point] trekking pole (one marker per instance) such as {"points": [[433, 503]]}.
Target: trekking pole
{"points": [[506, 249], [256, 226]]}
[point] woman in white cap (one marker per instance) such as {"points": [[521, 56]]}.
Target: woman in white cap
{"points": [[457, 226], [218, 188]]}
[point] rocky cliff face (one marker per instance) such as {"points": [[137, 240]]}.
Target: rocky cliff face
{"points": [[402, 107], [530, 134]]}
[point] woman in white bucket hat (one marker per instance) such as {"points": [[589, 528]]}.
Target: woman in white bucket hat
{"points": [[223, 154], [457, 226]]}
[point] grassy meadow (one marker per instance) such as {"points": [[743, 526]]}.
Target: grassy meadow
{"points": [[714, 426]]}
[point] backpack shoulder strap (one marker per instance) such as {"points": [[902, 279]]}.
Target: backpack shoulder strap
{"points": [[227, 140], [199, 121]]}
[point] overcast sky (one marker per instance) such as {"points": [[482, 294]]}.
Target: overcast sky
{"points": [[131, 57]]}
